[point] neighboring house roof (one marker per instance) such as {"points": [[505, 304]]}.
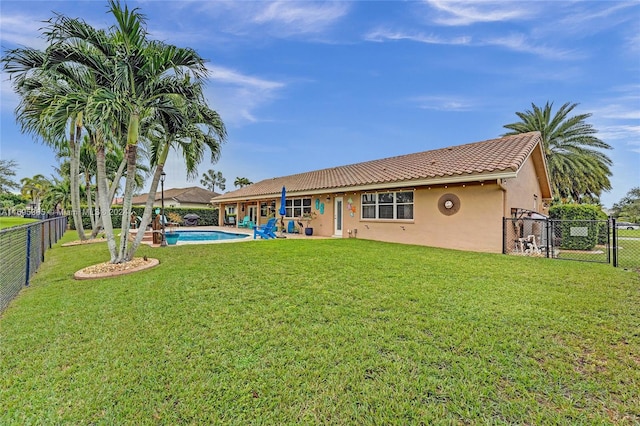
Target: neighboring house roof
{"points": [[486, 160], [191, 195]]}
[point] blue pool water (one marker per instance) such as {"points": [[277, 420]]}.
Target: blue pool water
{"points": [[208, 236]]}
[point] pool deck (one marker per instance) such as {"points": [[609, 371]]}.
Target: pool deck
{"points": [[232, 230]]}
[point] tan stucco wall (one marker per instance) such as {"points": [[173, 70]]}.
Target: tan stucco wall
{"points": [[522, 189], [477, 225]]}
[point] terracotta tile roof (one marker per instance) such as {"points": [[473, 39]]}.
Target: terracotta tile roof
{"points": [[191, 195], [473, 160]]}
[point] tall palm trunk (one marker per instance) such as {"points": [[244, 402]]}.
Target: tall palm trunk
{"points": [[87, 188], [148, 207], [131, 156], [112, 194], [74, 145], [105, 202]]}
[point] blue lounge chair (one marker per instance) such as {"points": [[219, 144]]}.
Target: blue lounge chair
{"points": [[266, 231], [246, 223]]}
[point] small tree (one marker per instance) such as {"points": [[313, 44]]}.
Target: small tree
{"points": [[211, 179], [7, 172], [241, 182], [35, 188], [629, 206]]}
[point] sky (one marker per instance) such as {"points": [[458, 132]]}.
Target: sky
{"points": [[304, 85]]}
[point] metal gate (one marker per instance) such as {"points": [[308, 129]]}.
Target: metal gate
{"points": [[580, 240]]}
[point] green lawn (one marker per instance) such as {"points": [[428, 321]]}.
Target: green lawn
{"points": [[629, 233], [323, 332], [8, 221]]}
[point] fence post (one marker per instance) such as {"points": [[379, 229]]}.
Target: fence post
{"points": [[26, 282], [546, 231], [42, 243], [615, 242], [504, 235]]}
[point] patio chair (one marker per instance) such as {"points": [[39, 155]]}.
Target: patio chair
{"points": [[162, 220], [246, 223], [230, 221], [531, 248], [291, 228], [266, 231]]}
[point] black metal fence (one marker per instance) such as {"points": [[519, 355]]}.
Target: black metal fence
{"points": [[22, 251], [582, 240]]}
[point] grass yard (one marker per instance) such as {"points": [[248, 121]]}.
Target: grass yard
{"points": [[9, 221], [323, 332], [635, 233]]}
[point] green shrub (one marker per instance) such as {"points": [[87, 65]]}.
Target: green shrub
{"points": [[575, 216], [208, 216]]}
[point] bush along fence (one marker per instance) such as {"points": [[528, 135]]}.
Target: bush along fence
{"points": [[22, 251], [572, 239]]}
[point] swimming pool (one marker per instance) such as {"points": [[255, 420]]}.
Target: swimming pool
{"points": [[204, 236]]}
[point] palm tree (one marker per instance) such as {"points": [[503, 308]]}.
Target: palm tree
{"points": [[42, 112], [7, 171], [241, 182], [211, 179], [193, 130], [35, 188], [577, 167], [136, 76], [58, 195]]}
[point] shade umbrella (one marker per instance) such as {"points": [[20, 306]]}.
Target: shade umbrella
{"points": [[283, 210]]}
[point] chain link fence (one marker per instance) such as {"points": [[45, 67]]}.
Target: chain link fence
{"points": [[626, 246], [600, 241], [22, 251]]}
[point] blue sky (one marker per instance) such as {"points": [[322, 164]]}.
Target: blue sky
{"points": [[304, 85]]}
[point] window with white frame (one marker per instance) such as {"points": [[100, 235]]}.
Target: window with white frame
{"points": [[230, 210], [297, 207], [266, 209], [388, 205]]}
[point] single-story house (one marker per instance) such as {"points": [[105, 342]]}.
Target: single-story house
{"points": [[454, 197], [193, 196]]}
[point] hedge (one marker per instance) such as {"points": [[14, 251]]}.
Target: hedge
{"points": [[208, 216], [580, 216]]}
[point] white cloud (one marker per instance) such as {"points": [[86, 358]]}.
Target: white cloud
{"points": [[633, 42], [596, 16], [619, 112], [227, 75], [381, 35], [627, 133], [21, 31], [237, 96], [442, 103], [521, 43], [279, 19], [300, 17], [515, 42], [458, 13]]}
